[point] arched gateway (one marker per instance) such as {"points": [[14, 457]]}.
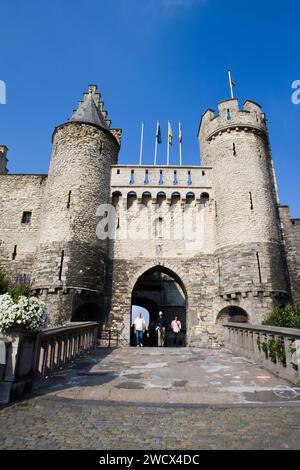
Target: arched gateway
{"points": [[159, 288]]}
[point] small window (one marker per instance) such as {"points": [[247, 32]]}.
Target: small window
{"points": [[26, 218], [161, 180], [101, 147], [61, 265], [228, 115], [118, 172], [175, 180], [189, 178], [69, 199], [132, 177], [203, 173], [146, 181], [234, 149], [14, 254], [251, 201]]}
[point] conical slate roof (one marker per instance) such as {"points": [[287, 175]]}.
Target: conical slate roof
{"points": [[88, 112]]}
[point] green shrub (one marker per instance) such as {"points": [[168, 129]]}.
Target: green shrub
{"points": [[286, 317], [19, 291], [3, 282]]}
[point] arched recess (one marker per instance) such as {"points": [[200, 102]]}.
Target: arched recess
{"points": [[232, 314], [160, 288]]}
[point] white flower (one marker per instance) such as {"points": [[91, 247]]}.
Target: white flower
{"points": [[30, 313]]}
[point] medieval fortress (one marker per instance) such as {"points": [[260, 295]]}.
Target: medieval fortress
{"points": [[209, 242]]}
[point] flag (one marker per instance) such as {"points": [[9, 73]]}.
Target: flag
{"points": [[158, 134], [180, 133], [170, 134]]}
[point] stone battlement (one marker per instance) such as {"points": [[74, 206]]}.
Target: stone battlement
{"points": [[170, 179], [231, 117]]}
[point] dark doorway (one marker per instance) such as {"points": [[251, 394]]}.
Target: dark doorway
{"points": [[160, 289], [88, 312]]}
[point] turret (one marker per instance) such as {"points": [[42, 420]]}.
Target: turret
{"points": [[71, 262], [248, 241], [3, 160]]}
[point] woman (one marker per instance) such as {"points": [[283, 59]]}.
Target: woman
{"points": [[176, 327]]}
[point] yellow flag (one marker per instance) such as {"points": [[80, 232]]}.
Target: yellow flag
{"points": [[170, 133]]}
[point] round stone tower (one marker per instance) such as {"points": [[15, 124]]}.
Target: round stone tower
{"points": [[248, 238], [70, 270]]}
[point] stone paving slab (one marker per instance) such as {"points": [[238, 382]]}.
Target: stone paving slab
{"points": [[169, 375], [157, 399]]}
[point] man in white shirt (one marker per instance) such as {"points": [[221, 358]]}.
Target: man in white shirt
{"points": [[139, 328]]}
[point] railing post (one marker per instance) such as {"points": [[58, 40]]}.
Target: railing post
{"points": [[297, 355]]}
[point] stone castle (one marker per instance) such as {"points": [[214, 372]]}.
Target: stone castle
{"points": [[211, 242]]}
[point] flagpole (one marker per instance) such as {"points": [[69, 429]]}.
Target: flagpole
{"points": [[180, 144], [156, 138], [142, 141], [230, 84], [168, 146]]}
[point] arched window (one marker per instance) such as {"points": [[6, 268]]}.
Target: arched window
{"points": [[115, 198], [190, 197], [175, 197], [204, 198], [131, 197], [161, 196], [146, 197]]}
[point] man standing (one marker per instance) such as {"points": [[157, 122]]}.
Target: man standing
{"points": [[139, 328], [176, 327], [161, 330]]}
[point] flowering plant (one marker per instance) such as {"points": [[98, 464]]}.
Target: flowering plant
{"points": [[27, 313]]}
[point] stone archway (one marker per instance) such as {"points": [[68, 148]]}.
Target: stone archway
{"points": [[231, 313], [160, 288]]}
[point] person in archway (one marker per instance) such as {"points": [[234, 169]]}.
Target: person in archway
{"points": [[139, 328], [176, 328], [161, 329], [152, 333]]}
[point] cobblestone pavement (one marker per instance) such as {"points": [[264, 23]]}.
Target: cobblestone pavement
{"points": [[156, 399]]}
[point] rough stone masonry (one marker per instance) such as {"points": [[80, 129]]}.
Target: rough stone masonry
{"points": [[211, 242]]}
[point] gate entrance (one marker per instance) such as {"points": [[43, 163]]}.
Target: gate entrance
{"points": [[159, 289]]}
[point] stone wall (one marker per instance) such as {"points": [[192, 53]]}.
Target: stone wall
{"points": [[291, 235], [19, 194]]}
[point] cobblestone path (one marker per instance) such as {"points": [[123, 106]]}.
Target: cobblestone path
{"points": [[156, 399]]}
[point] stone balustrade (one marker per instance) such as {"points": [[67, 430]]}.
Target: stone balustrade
{"points": [[56, 347], [5, 369], [276, 349], [27, 357]]}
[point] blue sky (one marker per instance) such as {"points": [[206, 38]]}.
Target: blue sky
{"points": [[152, 59]]}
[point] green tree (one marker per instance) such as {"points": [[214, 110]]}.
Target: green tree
{"points": [[286, 317]]}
